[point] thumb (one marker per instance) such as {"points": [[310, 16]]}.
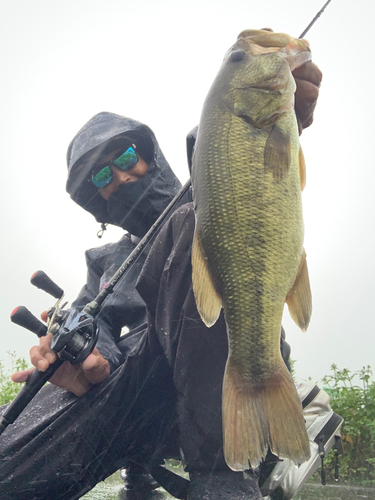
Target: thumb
{"points": [[95, 367]]}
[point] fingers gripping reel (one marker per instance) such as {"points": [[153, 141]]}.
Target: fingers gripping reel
{"points": [[74, 335]]}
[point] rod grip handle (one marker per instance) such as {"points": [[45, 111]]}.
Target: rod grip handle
{"points": [[33, 384]]}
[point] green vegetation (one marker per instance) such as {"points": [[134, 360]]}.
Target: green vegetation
{"points": [[8, 389], [355, 402]]}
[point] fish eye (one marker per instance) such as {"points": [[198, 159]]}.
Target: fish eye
{"points": [[237, 55]]}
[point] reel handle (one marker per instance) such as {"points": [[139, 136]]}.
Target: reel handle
{"points": [[23, 317], [44, 282]]}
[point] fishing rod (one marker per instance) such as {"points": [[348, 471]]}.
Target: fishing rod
{"points": [[74, 334]]}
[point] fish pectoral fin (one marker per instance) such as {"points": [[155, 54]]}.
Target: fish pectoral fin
{"points": [[302, 169], [277, 153], [299, 297], [206, 297]]}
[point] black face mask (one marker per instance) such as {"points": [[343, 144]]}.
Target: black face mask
{"points": [[135, 206]]}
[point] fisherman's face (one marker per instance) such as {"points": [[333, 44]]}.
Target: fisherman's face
{"points": [[123, 177], [119, 177]]}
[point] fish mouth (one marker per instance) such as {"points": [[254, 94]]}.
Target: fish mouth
{"points": [[296, 51]]}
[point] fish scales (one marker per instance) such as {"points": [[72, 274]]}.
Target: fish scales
{"points": [[248, 246], [248, 203]]}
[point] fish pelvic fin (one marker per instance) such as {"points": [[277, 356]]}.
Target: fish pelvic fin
{"points": [[299, 297], [261, 415], [302, 169], [206, 297], [277, 153]]}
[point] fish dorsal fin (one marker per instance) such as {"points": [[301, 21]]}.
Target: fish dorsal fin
{"points": [[302, 169], [277, 153], [206, 297], [299, 297]]}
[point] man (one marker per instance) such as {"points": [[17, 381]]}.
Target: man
{"points": [[118, 173], [176, 367], [133, 194]]}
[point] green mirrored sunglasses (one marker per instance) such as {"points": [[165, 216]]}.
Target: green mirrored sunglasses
{"points": [[126, 161]]}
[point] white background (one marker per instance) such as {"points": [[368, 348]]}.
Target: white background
{"points": [[64, 61]]}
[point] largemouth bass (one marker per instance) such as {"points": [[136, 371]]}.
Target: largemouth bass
{"points": [[248, 256]]}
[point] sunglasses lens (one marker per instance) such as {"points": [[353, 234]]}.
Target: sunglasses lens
{"points": [[127, 160], [102, 178]]}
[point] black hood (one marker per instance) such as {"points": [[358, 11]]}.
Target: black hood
{"points": [[98, 132]]}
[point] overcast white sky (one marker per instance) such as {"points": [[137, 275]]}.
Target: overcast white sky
{"points": [[64, 61]]}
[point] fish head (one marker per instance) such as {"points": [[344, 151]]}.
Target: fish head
{"points": [[255, 81]]}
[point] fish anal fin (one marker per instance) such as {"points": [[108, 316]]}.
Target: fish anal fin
{"points": [[299, 297], [206, 297], [262, 415], [277, 153], [302, 169]]}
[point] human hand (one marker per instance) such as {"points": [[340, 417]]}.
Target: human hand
{"points": [[308, 78], [76, 378]]}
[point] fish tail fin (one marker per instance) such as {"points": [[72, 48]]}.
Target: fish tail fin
{"points": [[261, 415]]}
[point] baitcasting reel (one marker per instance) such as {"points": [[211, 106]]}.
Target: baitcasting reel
{"points": [[74, 335]]}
